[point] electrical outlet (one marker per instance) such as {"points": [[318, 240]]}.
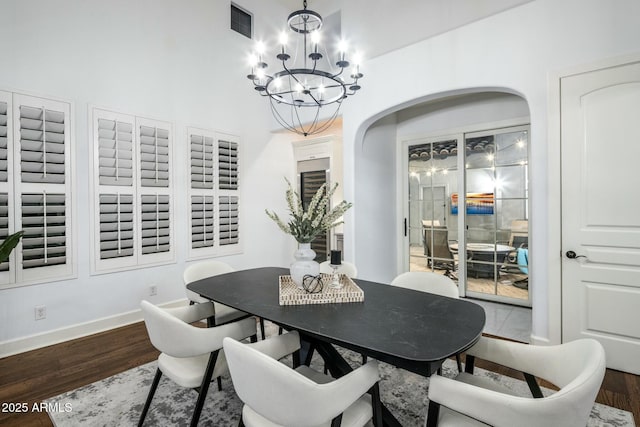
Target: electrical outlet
{"points": [[40, 312], [153, 290]]}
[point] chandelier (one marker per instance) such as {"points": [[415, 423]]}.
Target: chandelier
{"points": [[306, 94]]}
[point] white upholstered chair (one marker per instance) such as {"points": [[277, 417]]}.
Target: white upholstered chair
{"points": [[426, 281], [202, 270], [276, 395], [433, 283], [345, 268], [577, 368], [190, 355], [208, 268]]}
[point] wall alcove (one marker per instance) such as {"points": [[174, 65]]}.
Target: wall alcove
{"points": [[416, 159]]}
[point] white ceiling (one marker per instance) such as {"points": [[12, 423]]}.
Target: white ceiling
{"points": [[370, 25]]}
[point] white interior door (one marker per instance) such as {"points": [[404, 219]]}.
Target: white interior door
{"points": [[600, 150]]}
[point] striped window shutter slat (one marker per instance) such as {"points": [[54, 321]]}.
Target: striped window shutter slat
{"points": [[201, 156], [44, 225], [154, 156], [116, 226], [228, 165], [228, 219], [4, 224], [202, 221], [42, 145], [156, 227], [4, 138], [115, 145]]}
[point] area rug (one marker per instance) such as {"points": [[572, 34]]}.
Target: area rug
{"points": [[118, 400]]}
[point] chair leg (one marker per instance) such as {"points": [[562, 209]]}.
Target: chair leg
{"points": [[432, 414], [459, 363], [152, 391], [204, 388], [211, 321], [296, 359], [376, 405], [533, 386], [468, 364], [219, 384], [262, 328]]}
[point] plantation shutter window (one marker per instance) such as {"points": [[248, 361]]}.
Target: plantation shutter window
{"points": [[213, 193], [133, 192], [228, 165], [44, 226], [42, 189], [154, 157], [154, 192], [202, 221], [115, 152], [229, 232], [42, 145], [155, 224], [202, 170], [4, 139], [116, 226], [4, 224], [5, 188]]}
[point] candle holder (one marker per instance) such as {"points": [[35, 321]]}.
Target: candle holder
{"points": [[335, 278], [336, 261]]}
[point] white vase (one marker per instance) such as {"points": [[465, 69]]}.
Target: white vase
{"points": [[304, 264]]}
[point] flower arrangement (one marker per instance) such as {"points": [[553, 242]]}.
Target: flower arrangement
{"points": [[305, 225]]}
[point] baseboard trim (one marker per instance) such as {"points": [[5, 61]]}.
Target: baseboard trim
{"points": [[56, 336]]}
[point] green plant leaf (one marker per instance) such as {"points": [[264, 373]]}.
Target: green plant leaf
{"points": [[9, 244]]}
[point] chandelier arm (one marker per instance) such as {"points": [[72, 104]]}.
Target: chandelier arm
{"points": [[338, 74]]}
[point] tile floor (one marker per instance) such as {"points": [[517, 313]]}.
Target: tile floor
{"points": [[506, 320]]}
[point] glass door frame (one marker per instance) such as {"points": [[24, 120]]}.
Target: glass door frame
{"points": [[404, 210]]}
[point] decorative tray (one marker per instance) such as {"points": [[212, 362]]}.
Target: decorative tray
{"points": [[290, 294]]}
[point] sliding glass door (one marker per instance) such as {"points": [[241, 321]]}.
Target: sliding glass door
{"points": [[467, 214], [433, 175]]}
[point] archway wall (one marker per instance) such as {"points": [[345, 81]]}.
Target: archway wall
{"points": [[518, 51]]}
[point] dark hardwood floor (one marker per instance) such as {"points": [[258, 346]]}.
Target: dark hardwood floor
{"points": [[37, 375]]}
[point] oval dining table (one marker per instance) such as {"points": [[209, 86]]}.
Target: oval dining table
{"points": [[409, 329]]}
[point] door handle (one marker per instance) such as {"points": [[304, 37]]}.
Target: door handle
{"points": [[573, 255]]}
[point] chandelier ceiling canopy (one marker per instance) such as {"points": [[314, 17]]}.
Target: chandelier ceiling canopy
{"points": [[306, 94]]}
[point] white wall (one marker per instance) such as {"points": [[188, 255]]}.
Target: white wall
{"points": [[518, 50], [171, 60], [373, 203]]}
